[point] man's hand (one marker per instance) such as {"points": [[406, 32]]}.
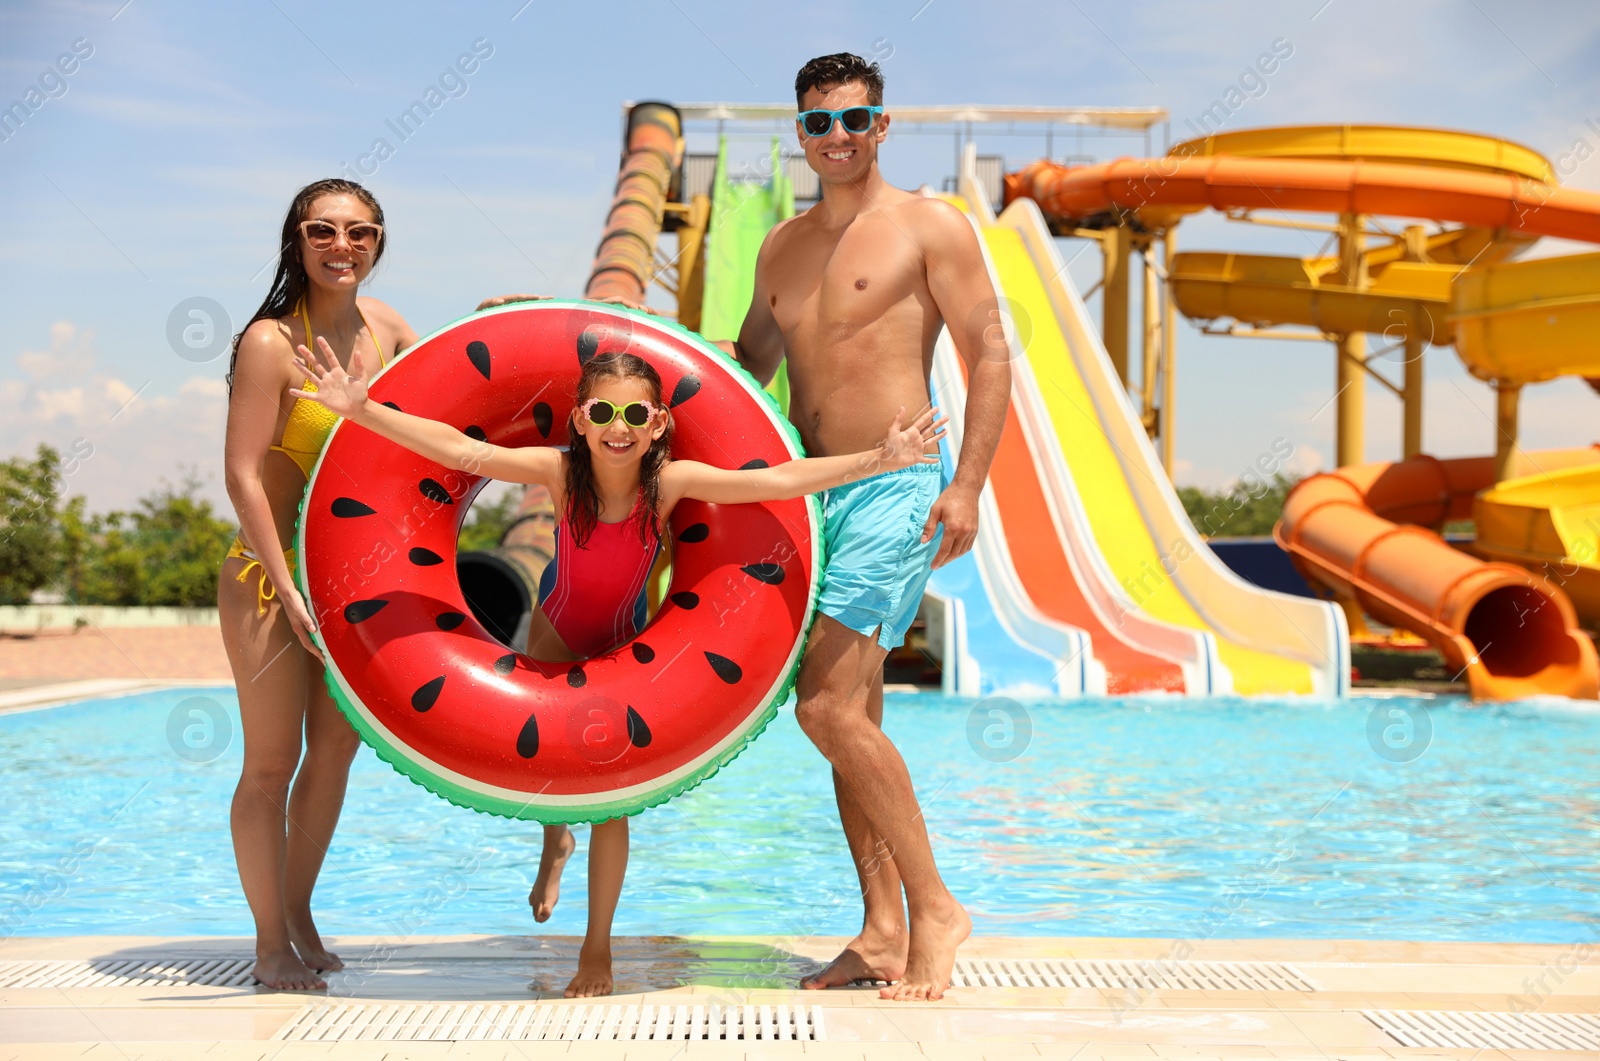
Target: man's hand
{"points": [[503, 300], [957, 509]]}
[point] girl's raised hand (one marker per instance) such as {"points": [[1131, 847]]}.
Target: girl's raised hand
{"points": [[343, 393], [906, 446]]}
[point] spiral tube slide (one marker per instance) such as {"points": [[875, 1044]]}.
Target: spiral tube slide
{"points": [[651, 159], [1511, 636]]}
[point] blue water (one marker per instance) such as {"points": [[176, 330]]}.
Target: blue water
{"points": [[1169, 818]]}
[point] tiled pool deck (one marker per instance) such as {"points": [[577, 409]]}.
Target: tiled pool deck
{"points": [[145, 1020]]}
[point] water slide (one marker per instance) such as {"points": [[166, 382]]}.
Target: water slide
{"points": [[742, 213], [1516, 322]]}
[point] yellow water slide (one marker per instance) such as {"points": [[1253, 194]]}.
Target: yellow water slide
{"points": [[1270, 643]]}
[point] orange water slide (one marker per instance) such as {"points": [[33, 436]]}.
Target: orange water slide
{"points": [[1360, 531], [1226, 182]]}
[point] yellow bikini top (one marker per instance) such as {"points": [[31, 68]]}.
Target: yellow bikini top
{"points": [[310, 423]]}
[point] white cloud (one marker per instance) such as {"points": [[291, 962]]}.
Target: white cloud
{"points": [[127, 434]]}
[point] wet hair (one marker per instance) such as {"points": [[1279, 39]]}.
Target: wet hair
{"points": [[583, 500], [290, 282], [826, 71]]}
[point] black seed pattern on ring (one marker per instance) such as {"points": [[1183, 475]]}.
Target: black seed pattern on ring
{"points": [[350, 508], [726, 669], [362, 610], [638, 732], [427, 694], [528, 739], [424, 557], [478, 354]]}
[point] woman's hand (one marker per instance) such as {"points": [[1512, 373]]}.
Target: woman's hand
{"points": [[300, 621], [906, 446], [341, 392]]}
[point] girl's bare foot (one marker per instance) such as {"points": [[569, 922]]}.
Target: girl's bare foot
{"points": [[308, 944], [547, 885], [934, 938], [594, 974], [285, 972], [873, 955]]}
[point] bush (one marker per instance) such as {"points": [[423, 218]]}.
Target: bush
{"points": [[167, 551], [1241, 512]]}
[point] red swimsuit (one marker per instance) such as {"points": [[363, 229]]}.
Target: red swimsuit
{"points": [[594, 593]]}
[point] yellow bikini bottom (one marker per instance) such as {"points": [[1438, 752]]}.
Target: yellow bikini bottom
{"points": [[265, 590]]}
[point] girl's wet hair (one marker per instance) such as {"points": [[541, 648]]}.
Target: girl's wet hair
{"points": [[583, 500], [290, 282]]}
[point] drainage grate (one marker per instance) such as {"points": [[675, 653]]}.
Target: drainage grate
{"points": [[533, 1021], [1489, 1031], [1128, 975], [125, 972]]}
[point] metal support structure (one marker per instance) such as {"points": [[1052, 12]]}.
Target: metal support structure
{"points": [[1350, 374], [691, 262], [1169, 352], [1149, 355], [1114, 298], [1506, 399], [1416, 250]]}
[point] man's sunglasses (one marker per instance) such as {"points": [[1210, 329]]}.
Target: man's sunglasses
{"points": [[855, 119], [363, 235], [601, 412]]}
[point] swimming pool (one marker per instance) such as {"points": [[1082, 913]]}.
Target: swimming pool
{"points": [[1157, 817]]}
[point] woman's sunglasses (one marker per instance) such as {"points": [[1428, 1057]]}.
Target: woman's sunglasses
{"points": [[362, 235], [855, 119], [601, 412]]}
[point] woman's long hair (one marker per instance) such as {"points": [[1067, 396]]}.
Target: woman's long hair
{"points": [[583, 500], [290, 282]]}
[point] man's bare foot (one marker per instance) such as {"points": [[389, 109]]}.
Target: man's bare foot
{"points": [[547, 885], [285, 972], [594, 975], [872, 955], [308, 944], [934, 939]]}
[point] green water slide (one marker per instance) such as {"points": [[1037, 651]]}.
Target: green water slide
{"points": [[742, 213]]}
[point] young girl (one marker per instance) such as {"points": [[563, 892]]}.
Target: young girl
{"points": [[614, 488]]}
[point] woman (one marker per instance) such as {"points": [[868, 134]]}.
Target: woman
{"points": [[286, 807]]}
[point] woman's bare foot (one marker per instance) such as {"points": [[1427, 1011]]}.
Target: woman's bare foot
{"points": [[547, 885], [594, 974], [873, 955], [308, 944], [285, 972], [934, 939]]}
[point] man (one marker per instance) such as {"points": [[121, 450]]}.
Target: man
{"points": [[854, 292]]}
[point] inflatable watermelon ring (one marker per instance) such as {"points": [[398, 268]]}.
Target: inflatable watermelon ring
{"points": [[491, 729]]}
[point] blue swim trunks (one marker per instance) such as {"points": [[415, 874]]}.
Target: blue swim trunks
{"points": [[878, 564]]}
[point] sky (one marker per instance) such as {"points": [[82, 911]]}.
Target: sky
{"points": [[169, 138]]}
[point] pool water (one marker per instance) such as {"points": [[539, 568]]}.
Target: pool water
{"points": [[1135, 817]]}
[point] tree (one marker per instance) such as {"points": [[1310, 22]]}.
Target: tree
{"points": [[487, 521], [30, 537], [1245, 510]]}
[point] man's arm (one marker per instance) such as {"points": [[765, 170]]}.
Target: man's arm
{"points": [[958, 280], [759, 347]]}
